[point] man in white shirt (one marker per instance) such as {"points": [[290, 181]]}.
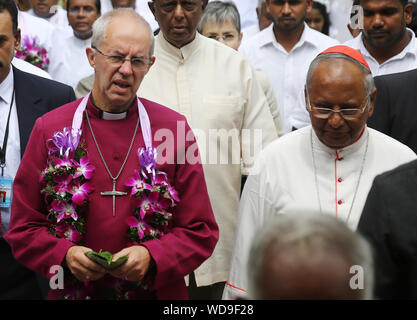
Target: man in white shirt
{"points": [[325, 168], [385, 42], [215, 88], [50, 11], [284, 51], [69, 63]]}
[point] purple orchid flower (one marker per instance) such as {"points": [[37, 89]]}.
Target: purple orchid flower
{"points": [[147, 160], [135, 223], [137, 184], [148, 204], [64, 210], [80, 192], [64, 142], [83, 168]]}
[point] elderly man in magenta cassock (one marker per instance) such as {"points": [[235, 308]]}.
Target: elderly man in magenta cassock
{"points": [[92, 179], [325, 168]]}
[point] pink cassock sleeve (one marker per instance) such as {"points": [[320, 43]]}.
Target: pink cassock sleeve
{"points": [[28, 235], [195, 231]]}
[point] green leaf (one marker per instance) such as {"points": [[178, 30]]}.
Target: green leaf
{"points": [[104, 258]]}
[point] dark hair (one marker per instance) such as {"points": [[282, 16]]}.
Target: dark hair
{"points": [[323, 11], [10, 6], [97, 2], [403, 2]]}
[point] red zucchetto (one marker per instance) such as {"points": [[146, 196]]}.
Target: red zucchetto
{"points": [[348, 51]]}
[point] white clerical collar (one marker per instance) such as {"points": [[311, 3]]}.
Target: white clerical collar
{"points": [[113, 116], [350, 149], [6, 87]]}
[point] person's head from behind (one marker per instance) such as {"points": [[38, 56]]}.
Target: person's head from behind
{"points": [[178, 19], [340, 95], [81, 16], [384, 22], [356, 19], [121, 57], [318, 19], [288, 15], [309, 257], [221, 21], [43, 7], [9, 36]]}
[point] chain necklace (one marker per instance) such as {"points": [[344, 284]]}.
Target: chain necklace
{"points": [[359, 178], [114, 193]]}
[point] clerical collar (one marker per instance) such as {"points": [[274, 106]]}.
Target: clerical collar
{"points": [[105, 115]]}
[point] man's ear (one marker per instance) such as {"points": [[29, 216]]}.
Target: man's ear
{"points": [[17, 40], [90, 57], [309, 5], [408, 13]]}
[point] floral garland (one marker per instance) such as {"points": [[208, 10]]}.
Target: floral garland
{"points": [[65, 185], [33, 53]]}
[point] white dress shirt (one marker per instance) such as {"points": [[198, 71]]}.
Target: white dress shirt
{"points": [[30, 68], [69, 62], [13, 142], [285, 184], [214, 87], [287, 71], [404, 61]]}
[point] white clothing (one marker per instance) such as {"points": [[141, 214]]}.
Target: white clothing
{"points": [[404, 61], [215, 88], [141, 8], [272, 101], [247, 11], [30, 68], [36, 27], [59, 19], [285, 184], [69, 62], [287, 71], [339, 18], [13, 142], [250, 32]]}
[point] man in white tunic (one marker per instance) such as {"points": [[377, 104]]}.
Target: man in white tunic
{"points": [[326, 168], [284, 51], [385, 42], [50, 11], [69, 63], [215, 88]]}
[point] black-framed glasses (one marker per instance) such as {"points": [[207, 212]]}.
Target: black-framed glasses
{"points": [[139, 64], [346, 113]]}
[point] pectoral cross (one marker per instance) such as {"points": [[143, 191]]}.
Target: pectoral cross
{"points": [[114, 193]]}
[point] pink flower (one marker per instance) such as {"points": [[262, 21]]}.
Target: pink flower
{"points": [[63, 184], [140, 225], [80, 192], [68, 232], [64, 210], [173, 194], [61, 163], [137, 184], [83, 168]]}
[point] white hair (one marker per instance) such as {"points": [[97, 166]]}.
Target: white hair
{"points": [[101, 24], [314, 234]]}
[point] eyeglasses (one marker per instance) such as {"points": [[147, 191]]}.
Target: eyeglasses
{"points": [[138, 64], [348, 114]]}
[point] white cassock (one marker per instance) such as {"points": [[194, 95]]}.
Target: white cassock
{"points": [[216, 89], [69, 63], [30, 68], [141, 8], [284, 182], [36, 27], [58, 19]]}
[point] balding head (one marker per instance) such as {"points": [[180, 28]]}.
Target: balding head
{"points": [[308, 257]]}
